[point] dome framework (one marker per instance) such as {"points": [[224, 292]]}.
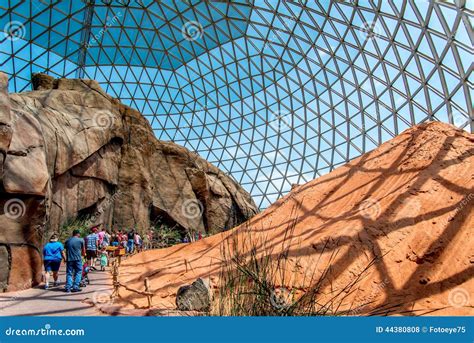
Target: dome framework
{"points": [[272, 92]]}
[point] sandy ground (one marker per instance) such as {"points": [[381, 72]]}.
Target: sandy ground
{"points": [[55, 302], [407, 207]]}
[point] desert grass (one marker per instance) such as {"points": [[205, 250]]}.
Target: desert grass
{"points": [[257, 279]]}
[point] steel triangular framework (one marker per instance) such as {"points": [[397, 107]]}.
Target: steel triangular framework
{"points": [[273, 92]]}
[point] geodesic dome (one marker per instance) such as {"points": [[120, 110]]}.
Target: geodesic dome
{"points": [[272, 92]]}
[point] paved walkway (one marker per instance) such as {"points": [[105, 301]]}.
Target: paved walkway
{"points": [[54, 301]]}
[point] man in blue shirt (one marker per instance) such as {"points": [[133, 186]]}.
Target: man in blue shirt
{"points": [[75, 248], [53, 253]]}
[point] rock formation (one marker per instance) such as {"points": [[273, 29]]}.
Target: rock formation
{"points": [[389, 233], [194, 297], [70, 150]]}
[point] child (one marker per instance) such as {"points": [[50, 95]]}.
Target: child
{"points": [[85, 275], [103, 259]]}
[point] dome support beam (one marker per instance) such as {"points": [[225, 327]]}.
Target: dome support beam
{"points": [[85, 37]]}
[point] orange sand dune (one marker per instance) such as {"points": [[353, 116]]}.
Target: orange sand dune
{"points": [[408, 204]]}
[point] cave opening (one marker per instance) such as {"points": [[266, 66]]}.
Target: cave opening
{"points": [[166, 230], [87, 213]]}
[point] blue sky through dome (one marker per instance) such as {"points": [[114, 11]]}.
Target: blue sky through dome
{"points": [[272, 92]]}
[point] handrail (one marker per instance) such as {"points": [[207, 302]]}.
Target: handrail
{"points": [[117, 284]]}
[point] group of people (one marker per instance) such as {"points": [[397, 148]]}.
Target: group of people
{"points": [[130, 240], [80, 252]]}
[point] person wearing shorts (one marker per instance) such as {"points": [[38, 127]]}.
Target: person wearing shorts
{"points": [[92, 246], [53, 253], [91, 254]]}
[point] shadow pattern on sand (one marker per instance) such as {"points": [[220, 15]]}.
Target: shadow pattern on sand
{"points": [[315, 216]]}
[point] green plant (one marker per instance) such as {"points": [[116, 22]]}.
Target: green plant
{"points": [[165, 236], [67, 228]]}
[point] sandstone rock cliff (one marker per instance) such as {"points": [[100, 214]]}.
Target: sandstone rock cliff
{"points": [[70, 150]]}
